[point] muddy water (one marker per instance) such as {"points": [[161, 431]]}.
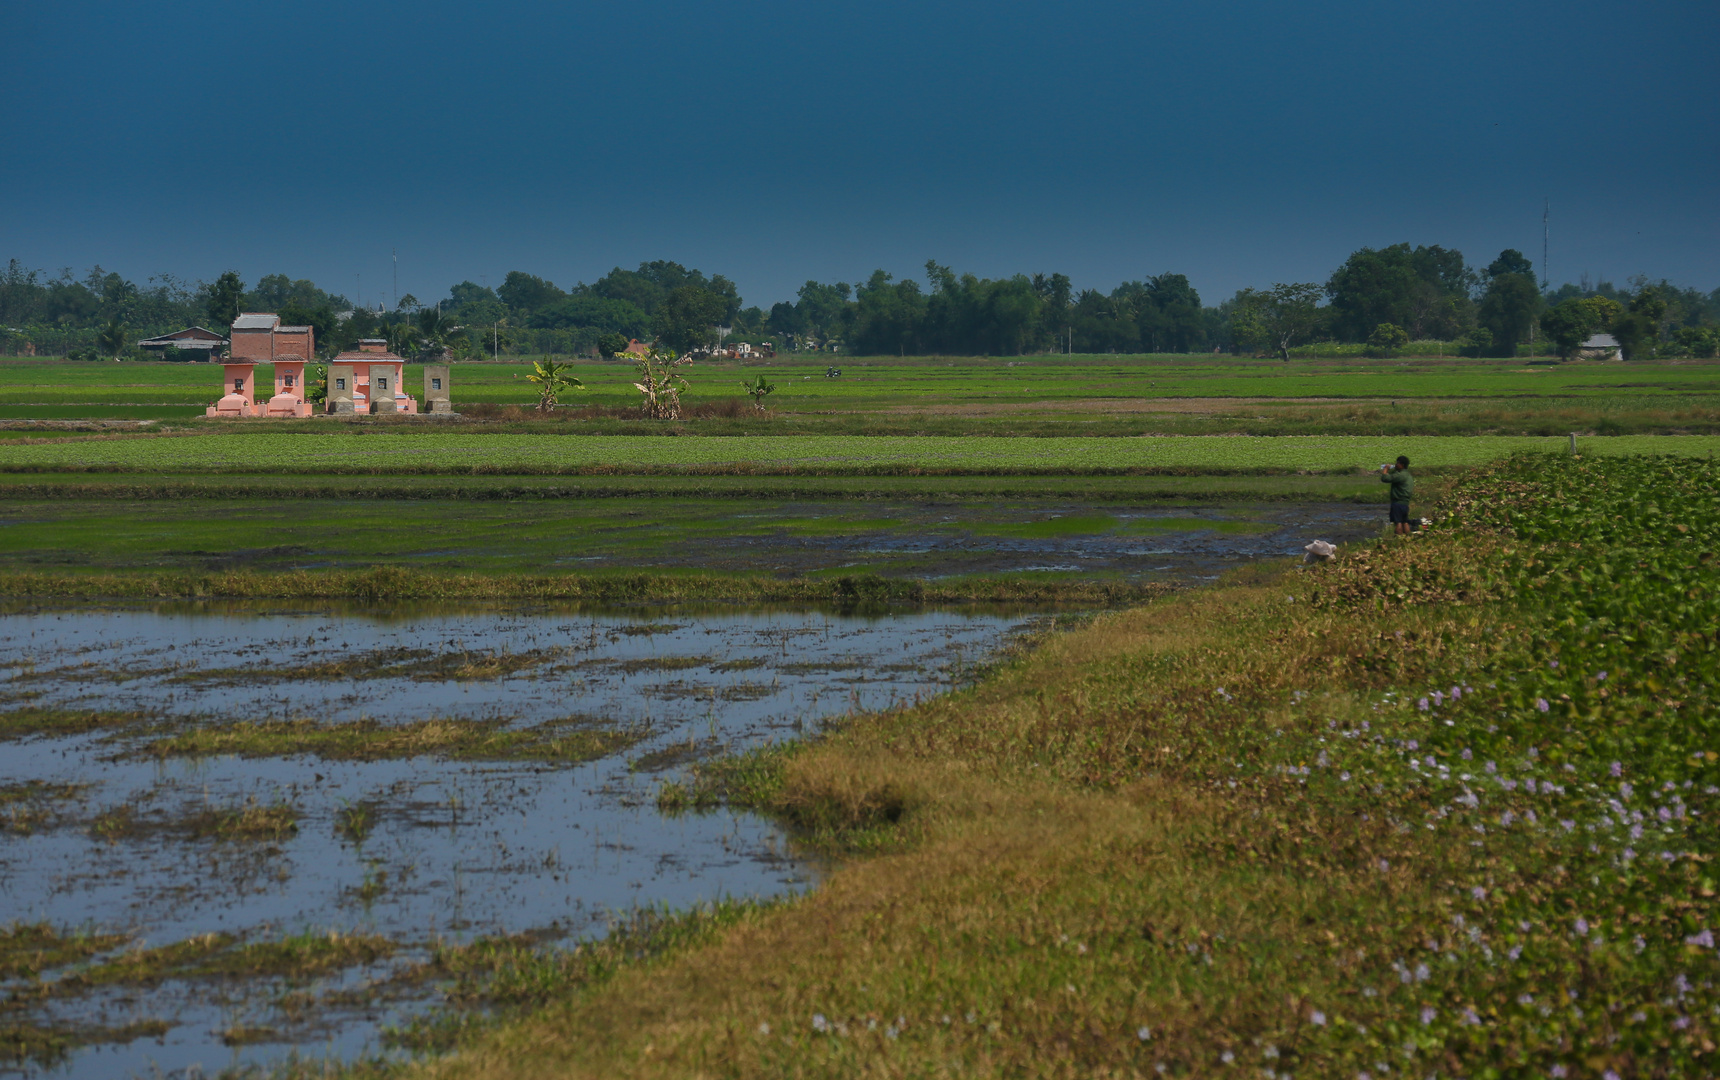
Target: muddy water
{"points": [[454, 849]]}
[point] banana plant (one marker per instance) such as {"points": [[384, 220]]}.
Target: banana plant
{"points": [[758, 390], [551, 379], [661, 383]]}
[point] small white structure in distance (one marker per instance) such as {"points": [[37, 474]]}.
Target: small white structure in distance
{"points": [[1600, 347]]}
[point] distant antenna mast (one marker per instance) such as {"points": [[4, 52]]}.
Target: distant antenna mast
{"points": [[1546, 212], [396, 256]]}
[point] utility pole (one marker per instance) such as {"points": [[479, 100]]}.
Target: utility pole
{"points": [[358, 289], [1547, 210], [396, 256]]}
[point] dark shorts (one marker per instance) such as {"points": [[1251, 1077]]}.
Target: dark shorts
{"points": [[1400, 513]]}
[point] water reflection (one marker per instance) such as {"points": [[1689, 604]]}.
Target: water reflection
{"points": [[447, 849]]}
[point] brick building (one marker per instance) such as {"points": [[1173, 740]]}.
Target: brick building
{"points": [[259, 338]]}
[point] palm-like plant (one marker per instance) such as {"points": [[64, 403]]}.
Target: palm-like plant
{"points": [[661, 383], [437, 334], [112, 338], [402, 338], [758, 390], [551, 379]]}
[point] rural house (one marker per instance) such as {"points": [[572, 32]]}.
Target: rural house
{"points": [[1600, 347], [192, 338]]}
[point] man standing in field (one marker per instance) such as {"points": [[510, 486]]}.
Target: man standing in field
{"points": [[1403, 486]]}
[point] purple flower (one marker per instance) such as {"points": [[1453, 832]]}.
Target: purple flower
{"points": [[1318, 1019], [1704, 939], [1582, 926], [1541, 704], [1601, 676], [1625, 790], [1428, 1012], [1616, 769], [1422, 704], [1456, 692], [1559, 1072], [1636, 832], [1438, 698], [1568, 824], [1552, 663], [1492, 768], [1467, 754], [1478, 893], [1469, 1017], [1664, 814]]}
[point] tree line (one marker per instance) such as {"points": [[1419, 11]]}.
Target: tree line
{"points": [[1379, 299]]}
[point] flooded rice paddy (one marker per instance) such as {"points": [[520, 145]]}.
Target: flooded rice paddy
{"points": [[232, 834]]}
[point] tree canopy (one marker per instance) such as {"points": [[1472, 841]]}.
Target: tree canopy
{"points": [[1421, 292]]}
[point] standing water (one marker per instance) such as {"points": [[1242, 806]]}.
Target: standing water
{"points": [[212, 780]]}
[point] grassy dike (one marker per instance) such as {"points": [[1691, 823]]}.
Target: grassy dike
{"points": [[392, 584], [1443, 808]]}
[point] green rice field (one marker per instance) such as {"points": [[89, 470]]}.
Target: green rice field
{"points": [[388, 452], [47, 388]]}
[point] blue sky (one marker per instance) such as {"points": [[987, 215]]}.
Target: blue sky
{"points": [[1240, 143]]}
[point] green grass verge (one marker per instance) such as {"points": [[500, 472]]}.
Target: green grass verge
{"points": [[385, 452], [1188, 486], [388, 584]]}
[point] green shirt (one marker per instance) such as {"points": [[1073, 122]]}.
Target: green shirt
{"points": [[1403, 484]]}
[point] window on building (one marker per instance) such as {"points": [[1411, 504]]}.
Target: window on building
{"points": [[238, 385], [287, 382], [435, 384], [382, 384]]}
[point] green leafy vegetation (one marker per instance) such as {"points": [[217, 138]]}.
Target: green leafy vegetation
{"points": [[380, 453], [1444, 806], [1432, 292]]}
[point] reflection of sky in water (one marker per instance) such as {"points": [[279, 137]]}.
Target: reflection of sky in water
{"points": [[467, 847]]}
